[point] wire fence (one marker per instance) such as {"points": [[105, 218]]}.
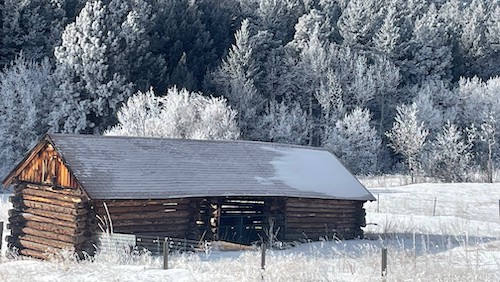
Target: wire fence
{"points": [[486, 210]]}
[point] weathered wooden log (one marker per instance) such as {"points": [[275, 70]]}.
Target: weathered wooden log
{"points": [[53, 208], [132, 209], [80, 238], [66, 204], [47, 242], [150, 215], [321, 201], [23, 217], [72, 192], [148, 221], [317, 226], [56, 215], [34, 254], [339, 218], [319, 215], [323, 210], [38, 247], [150, 228], [55, 228], [132, 203], [53, 196]]}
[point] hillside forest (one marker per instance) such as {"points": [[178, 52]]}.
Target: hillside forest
{"points": [[407, 86]]}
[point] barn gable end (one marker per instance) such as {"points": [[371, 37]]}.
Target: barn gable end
{"points": [[50, 210]]}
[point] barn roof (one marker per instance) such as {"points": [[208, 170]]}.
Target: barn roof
{"points": [[112, 167]]}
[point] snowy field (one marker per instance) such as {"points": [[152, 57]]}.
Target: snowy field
{"points": [[433, 232]]}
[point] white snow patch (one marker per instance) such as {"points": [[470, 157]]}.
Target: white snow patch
{"points": [[316, 171]]}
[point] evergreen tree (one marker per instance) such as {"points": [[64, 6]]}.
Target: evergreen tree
{"points": [[31, 26], [387, 39], [88, 91], [180, 35], [355, 142], [359, 21], [234, 80], [285, 124], [473, 45], [431, 50], [451, 155]]}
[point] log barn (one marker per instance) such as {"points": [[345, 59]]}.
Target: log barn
{"points": [[70, 187]]}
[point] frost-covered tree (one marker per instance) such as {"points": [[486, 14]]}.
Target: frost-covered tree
{"points": [[178, 114], [359, 21], [472, 41], [387, 39], [285, 122], [25, 88], [436, 104], [355, 142], [100, 57], [407, 136], [431, 55], [450, 154], [235, 80]]}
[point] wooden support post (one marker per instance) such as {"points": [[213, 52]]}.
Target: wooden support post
{"points": [[384, 262], [263, 256], [434, 208], [165, 253]]}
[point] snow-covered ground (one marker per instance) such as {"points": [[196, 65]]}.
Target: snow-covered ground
{"points": [[433, 232]]}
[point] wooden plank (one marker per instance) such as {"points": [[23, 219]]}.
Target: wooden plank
{"points": [[68, 191], [298, 220]]}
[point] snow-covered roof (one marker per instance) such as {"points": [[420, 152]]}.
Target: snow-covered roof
{"points": [[110, 167]]}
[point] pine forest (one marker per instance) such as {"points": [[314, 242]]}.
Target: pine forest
{"points": [[389, 86]]}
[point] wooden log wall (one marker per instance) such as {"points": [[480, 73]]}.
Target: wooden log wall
{"points": [[315, 218], [163, 218], [46, 219]]}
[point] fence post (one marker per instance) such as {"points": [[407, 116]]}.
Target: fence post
{"points": [[165, 253], [384, 262], [1, 234], [378, 202], [434, 208], [263, 256]]}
